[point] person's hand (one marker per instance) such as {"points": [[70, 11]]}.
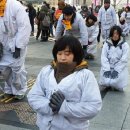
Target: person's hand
{"points": [[89, 43], [56, 101], [85, 50], [107, 74], [16, 54], [114, 74], [1, 50], [99, 24]]}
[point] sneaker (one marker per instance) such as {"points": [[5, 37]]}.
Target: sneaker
{"points": [[6, 95], [19, 97]]}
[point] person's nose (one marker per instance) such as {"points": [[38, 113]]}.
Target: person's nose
{"points": [[63, 57]]}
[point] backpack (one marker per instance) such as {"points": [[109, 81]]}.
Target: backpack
{"points": [[46, 21]]}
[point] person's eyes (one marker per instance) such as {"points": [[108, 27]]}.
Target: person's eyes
{"points": [[59, 53], [68, 53]]}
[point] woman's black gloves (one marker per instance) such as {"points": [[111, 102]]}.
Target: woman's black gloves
{"points": [[107, 74], [16, 54], [114, 74], [56, 101]]}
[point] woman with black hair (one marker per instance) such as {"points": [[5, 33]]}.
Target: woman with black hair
{"points": [[114, 59], [72, 23], [66, 94]]}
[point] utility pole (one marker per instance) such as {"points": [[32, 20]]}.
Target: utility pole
{"points": [[127, 2]]}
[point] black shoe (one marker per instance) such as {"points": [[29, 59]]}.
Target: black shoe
{"points": [[6, 95]]}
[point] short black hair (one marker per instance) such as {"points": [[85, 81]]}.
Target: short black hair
{"points": [[117, 28], [73, 44], [68, 10], [93, 17], [106, 1]]}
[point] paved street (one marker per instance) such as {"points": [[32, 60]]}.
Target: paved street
{"points": [[115, 114]]}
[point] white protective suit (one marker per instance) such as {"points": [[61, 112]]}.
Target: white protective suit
{"points": [[14, 32], [92, 37], [78, 30], [123, 14], [127, 17], [82, 100], [114, 58], [125, 28], [108, 19]]}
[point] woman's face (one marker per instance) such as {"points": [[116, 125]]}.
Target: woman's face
{"points": [[90, 21], [126, 9], [65, 56], [115, 36], [68, 17]]}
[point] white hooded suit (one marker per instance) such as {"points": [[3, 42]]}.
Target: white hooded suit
{"points": [[82, 100], [14, 32], [108, 19], [115, 58]]}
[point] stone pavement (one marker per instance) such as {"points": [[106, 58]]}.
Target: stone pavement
{"points": [[115, 113]]}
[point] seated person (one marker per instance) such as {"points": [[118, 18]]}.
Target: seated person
{"points": [[124, 26], [93, 30], [66, 94], [114, 59]]}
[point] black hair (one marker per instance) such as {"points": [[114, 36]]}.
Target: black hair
{"points": [[73, 44], [106, 1], [91, 16], [117, 28], [127, 7], [68, 10]]}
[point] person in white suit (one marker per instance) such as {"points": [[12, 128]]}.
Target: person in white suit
{"points": [[93, 30], [114, 59], [65, 95], [72, 23], [124, 26], [107, 18], [14, 36]]}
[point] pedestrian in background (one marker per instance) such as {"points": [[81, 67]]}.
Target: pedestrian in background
{"points": [[52, 11], [65, 95], [58, 12], [37, 22], [45, 21], [32, 14], [14, 36], [107, 18], [85, 12], [114, 59]]}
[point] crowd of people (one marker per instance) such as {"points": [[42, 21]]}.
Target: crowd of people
{"points": [[66, 94]]}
